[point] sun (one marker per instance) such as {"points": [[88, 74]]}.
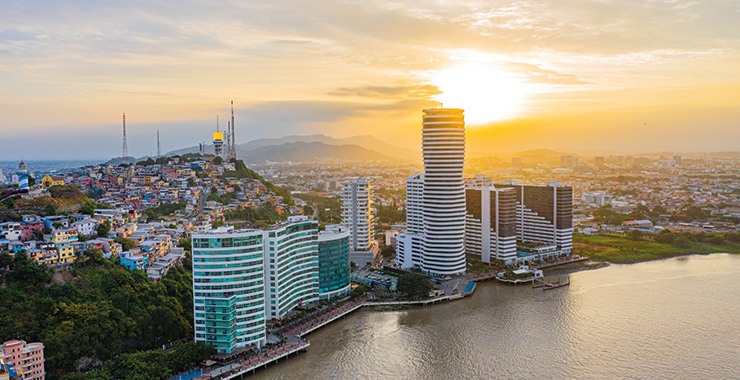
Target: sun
{"points": [[486, 92]]}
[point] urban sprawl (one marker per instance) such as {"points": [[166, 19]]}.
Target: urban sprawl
{"points": [[278, 249]]}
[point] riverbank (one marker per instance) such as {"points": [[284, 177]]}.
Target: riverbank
{"points": [[622, 250]]}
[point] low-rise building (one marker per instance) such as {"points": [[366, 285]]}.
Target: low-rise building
{"points": [[26, 359]]}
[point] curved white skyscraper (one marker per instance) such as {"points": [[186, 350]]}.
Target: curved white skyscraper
{"points": [[443, 140], [435, 200]]}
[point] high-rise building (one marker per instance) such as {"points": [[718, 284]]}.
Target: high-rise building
{"points": [[408, 244], [490, 228], [334, 263], [544, 214], [291, 265], [435, 240], [25, 360], [229, 288], [594, 198], [242, 278], [357, 216]]}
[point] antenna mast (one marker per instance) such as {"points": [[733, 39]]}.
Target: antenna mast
{"points": [[159, 146], [232, 141], [125, 144]]}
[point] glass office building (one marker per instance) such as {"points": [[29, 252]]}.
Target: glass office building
{"points": [[229, 289], [334, 262]]}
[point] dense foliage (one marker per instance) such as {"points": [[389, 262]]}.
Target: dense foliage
{"points": [[252, 215], [390, 214], [330, 208], [631, 249], [164, 210], [146, 365], [96, 311], [415, 285]]}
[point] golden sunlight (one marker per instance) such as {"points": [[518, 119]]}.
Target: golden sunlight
{"points": [[487, 92]]}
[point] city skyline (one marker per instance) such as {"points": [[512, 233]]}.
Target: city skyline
{"points": [[565, 75]]}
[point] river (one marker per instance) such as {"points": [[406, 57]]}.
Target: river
{"points": [[668, 319]]}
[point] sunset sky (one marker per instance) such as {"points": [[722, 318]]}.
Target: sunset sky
{"points": [[605, 75]]}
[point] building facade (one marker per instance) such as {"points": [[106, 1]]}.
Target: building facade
{"points": [[243, 278], [544, 214], [439, 248], [26, 360], [490, 226], [229, 289], [291, 265], [334, 262], [357, 216]]}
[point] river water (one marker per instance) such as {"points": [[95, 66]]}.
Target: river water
{"points": [[669, 319]]}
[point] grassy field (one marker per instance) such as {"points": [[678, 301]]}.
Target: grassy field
{"points": [[621, 250]]}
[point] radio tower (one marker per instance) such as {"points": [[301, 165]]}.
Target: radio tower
{"points": [[159, 146], [228, 139], [125, 144], [232, 141]]}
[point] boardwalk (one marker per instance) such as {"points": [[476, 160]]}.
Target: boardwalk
{"points": [[252, 363], [296, 333]]}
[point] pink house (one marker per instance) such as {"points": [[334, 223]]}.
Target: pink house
{"points": [[28, 228], [26, 358]]}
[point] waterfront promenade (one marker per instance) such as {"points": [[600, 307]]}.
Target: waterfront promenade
{"points": [[296, 331]]}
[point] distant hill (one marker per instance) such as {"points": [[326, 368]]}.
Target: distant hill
{"points": [[121, 160], [309, 151], [368, 143]]}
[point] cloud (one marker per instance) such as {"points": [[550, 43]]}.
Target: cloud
{"points": [[420, 91], [536, 74]]}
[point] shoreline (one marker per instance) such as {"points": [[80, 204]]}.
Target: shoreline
{"points": [[565, 269]]}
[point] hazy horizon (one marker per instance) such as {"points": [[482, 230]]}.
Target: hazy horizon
{"points": [[561, 75]]}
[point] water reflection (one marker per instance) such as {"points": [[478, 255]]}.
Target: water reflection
{"points": [[667, 319]]}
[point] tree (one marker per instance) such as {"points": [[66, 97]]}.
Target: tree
{"points": [[6, 260], [308, 210], [88, 257], [634, 235], [682, 242], [103, 229], [88, 208], [665, 236], [415, 285], [126, 244], [359, 290], [388, 252]]}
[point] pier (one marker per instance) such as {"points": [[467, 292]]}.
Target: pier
{"points": [[551, 282], [251, 364]]}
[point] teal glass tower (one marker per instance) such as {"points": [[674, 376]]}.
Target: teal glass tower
{"points": [[334, 262], [229, 289]]}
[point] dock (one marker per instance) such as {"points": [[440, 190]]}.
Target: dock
{"points": [[551, 282]]}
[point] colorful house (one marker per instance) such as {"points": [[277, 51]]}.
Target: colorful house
{"points": [[26, 359], [49, 181]]}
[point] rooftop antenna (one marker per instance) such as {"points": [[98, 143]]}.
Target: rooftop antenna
{"points": [[125, 144], [228, 139], [232, 144], [159, 146]]}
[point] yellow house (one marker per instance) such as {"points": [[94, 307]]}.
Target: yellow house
{"points": [[49, 181], [66, 254]]}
